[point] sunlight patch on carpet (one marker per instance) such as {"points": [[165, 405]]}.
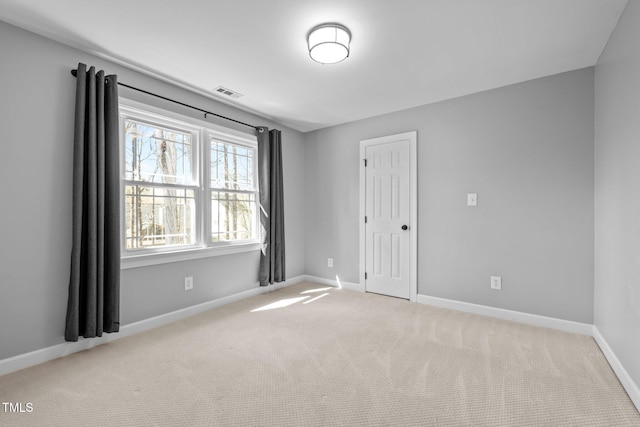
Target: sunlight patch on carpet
{"points": [[312, 291], [280, 304], [316, 298]]}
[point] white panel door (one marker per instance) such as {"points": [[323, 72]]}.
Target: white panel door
{"points": [[388, 218]]}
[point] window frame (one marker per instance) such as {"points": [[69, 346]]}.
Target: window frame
{"points": [[203, 133]]}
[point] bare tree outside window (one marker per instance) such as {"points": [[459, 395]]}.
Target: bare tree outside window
{"points": [[159, 208], [233, 195], [186, 185]]}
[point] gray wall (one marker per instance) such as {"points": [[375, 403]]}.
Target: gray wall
{"points": [[36, 119], [526, 149], [617, 225]]}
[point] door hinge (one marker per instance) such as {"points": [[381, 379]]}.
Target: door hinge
{"points": [[365, 162], [365, 276], [365, 219]]}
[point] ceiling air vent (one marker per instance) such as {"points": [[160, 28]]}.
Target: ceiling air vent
{"points": [[221, 90]]}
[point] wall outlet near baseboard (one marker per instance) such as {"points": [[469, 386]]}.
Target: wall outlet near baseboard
{"points": [[496, 283], [188, 283], [330, 262]]}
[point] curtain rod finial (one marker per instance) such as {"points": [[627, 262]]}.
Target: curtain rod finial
{"points": [[74, 73]]}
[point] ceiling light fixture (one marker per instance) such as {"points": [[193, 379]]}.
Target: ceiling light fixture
{"points": [[329, 43]]}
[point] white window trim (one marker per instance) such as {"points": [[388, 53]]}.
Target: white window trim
{"points": [[205, 131]]}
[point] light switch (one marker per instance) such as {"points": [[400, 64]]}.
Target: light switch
{"points": [[472, 199]]}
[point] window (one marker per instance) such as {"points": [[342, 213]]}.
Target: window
{"points": [[187, 185], [233, 192], [159, 186]]}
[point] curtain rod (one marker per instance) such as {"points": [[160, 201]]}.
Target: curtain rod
{"points": [[74, 72]]}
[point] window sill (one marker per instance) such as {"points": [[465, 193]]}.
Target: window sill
{"points": [[144, 260]]}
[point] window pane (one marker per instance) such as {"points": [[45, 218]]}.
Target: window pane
{"points": [[159, 217], [232, 216], [231, 166], [157, 154]]}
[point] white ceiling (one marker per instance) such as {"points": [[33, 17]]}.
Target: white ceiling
{"points": [[404, 53]]}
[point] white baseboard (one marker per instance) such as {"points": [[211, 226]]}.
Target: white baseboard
{"points": [[337, 283], [627, 382], [515, 316], [36, 357]]}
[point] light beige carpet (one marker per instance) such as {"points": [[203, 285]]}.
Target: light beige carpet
{"points": [[331, 357]]}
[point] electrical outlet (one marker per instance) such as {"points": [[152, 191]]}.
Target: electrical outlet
{"points": [[188, 283], [472, 199], [496, 283], [330, 262]]}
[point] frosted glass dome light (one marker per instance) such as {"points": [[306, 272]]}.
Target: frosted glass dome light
{"points": [[329, 43]]}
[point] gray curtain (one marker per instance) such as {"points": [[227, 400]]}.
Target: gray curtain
{"points": [[93, 306], [272, 259]]}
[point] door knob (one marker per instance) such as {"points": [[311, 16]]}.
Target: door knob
{"points": [[405, 227]]}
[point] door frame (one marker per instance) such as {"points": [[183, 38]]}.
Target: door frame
{"points": [[413, 210]]}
